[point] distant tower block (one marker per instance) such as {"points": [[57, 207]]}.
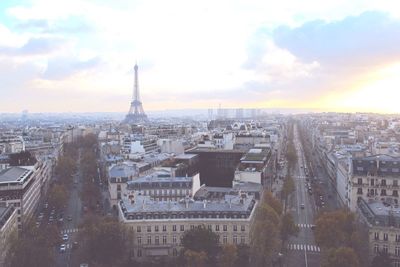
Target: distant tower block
{"points": [[136, 113]]}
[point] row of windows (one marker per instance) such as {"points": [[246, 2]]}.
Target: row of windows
{"points": [[182, 228], [164, 240], [373, 192], [186, 215], [382, 182], [385, 237], [163, 192]]}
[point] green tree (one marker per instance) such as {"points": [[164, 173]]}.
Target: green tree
{"points": [[288, 227], [228, 256], [243, 255], [343, 257], [201, 239]]}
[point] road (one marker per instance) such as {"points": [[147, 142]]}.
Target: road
{"points": [[73, 209], [302, 250]]}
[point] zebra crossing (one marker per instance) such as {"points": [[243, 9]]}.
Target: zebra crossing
{"points": [[304, 225], [68, 231], [300, 177], [311, 248]]}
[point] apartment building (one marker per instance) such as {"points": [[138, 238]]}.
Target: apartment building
{"points": [[375, 178], [158, 226]]}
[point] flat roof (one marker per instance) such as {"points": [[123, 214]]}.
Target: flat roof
{"points": [[186, 156], [13, 175]]}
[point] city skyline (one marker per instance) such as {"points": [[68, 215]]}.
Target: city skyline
{"points": [[78, 56]]}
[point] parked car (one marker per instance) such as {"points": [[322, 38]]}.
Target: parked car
{"points": [[302, 206], [62, 248]]}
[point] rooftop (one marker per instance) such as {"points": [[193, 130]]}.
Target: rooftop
{"points": [[380, 214], [231, 203], [14, 175]]}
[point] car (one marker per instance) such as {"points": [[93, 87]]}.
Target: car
{"points": [[63, 247], [302, 206], [46, 205], [65, 237], [37, 224], [69, 218], [51, 218]]}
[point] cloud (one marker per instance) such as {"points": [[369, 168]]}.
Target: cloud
{"points": [[61, 68], [372, 38], [35, 46]]}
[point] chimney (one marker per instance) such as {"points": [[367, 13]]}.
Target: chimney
{"points": [[144, 202], [204, 203], [186, 202], [230, 203]]}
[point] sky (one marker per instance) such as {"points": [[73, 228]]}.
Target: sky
{"points": [[78, 55]]}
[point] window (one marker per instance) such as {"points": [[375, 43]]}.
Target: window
{"points": [[174, 239], [225, 227], [139, 240], [217, 227], [175, 252], [395, 193], [397, 238], [385, 249], [149, 240], [149, 229], [164, 239], [242, 239], [383, 182], [359, 191], [225, 239], [156, 228], [118, 187], [376, 248], [385, 237], [397, 251], [235, 228], [396, 263], [376, 236], [139, 252], [242, 228], [191, 227], [359, 181], [395, 183], [174, 228], [157, 240], [182, 228], [164, 228], [235, 240], [119, 195], [383, 192], [138, 229], [209, 227]]}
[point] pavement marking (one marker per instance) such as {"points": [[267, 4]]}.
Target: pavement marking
{"points": [[304, 225], [67, 231], [306, 247]]}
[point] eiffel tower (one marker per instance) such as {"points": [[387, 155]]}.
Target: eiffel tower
{"points": [[136, 113]]}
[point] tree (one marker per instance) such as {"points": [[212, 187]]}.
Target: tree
{"points": [[243, 255], [195, 258], [341, 225], [287, 188], [381, 260], [343, 257], [201, 239], [58, 196], [105, 241], [274, 203], [34, 247], [288, 227], [228, 256], [265, 242]]}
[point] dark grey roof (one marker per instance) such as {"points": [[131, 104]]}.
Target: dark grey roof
{"points": [[377, 165]]}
